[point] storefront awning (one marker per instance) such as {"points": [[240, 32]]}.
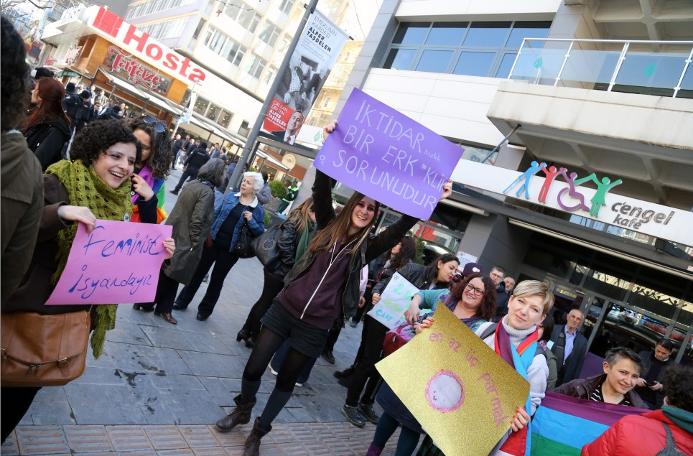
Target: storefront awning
{"points": [[270, 159], [217, 130], [145, 97]]}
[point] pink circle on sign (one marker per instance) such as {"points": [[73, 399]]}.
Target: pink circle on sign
{"points": [[445, 391]]}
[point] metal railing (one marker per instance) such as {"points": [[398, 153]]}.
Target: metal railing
{"points": [[660, 68]]}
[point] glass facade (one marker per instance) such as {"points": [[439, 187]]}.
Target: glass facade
{"points": [[485, 49]]}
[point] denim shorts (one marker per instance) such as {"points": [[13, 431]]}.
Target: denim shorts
{"points": [[300, 336]]}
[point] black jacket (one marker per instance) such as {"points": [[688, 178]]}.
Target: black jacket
{"points": [[573, 364], [47, 140], [581, 388], [286, 245], [370, 249], [71, 104], [196, 159], [413, 272]]}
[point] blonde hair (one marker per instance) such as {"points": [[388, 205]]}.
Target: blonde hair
{"points": [[528, 288], [300, 216]]}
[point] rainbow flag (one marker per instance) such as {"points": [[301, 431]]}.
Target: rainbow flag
{"points": [[562, 425]]}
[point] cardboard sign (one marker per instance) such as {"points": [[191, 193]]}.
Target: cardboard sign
{"points": [[463, 393], [394, 301], [117, 263], [387, 156]]}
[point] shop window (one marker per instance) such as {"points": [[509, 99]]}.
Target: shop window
{"points": [[213, 112], [201, 105], [269, 34], [225, 118], [257, 66], [286, 5]]}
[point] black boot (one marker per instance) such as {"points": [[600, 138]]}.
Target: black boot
{"points": [[252, 443], [239, 415]]}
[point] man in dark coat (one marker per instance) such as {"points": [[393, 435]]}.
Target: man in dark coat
{"points": [[193, 163], [654, 363], [569, 346]]}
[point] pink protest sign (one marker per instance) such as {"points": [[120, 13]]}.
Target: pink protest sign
{"points": [[117, 263]]}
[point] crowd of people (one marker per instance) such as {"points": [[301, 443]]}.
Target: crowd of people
{"points": [[66, 162]]}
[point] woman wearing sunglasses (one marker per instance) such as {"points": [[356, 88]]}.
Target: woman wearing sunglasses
{"points": [[473, 301], [296, 233]]}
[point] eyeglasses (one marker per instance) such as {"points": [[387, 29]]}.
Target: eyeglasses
{"points": [[474, 289]]}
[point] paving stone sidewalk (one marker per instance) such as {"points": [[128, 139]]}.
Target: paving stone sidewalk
{"points": [[158, 388]]}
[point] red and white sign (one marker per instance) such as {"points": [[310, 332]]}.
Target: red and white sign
{"points": [[140, 44]]}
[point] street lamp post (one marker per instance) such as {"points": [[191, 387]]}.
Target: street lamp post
{"points": [[252, 136]]}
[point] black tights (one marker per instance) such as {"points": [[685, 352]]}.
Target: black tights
{"points": [[267, 343]]}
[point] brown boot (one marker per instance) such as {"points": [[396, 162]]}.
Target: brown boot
{"points": [[239, 415], [252, 443]]}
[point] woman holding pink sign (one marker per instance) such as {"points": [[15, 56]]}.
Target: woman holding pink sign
{"points": [[322, 287], [95, 185]]}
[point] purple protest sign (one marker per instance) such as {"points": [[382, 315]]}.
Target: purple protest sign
{"points": [[387, 156], [117, 263]]}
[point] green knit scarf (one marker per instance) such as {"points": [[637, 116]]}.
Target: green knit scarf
{"points": [[85, 188]]}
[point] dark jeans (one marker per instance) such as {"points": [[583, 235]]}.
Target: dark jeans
{"points": [[280, 357], [370, 353], [187, 173], [387, 426], [223, 261], [15, 403], [273, 284]]}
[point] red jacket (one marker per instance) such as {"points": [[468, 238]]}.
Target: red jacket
{"points": [[639, 435]]}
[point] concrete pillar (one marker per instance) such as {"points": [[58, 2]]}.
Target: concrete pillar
{"points": [[495, 242]]}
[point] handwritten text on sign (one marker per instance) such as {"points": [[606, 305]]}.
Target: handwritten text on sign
{"points": [[463, 393], [394, 301], [387, 156], [117, 263]]}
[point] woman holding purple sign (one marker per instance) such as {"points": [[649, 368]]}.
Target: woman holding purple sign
{"points": [[96, 185], [322, 287]]}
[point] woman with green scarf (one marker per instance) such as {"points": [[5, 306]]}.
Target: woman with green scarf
{"points": [[95, 185], [293, 241]]}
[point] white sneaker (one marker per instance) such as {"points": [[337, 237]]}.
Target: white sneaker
{"points": [[298, 384]]}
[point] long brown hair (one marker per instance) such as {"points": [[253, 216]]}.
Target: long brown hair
{"points": [[338, 228], [300, 216], [52, 93], [487, 308]]}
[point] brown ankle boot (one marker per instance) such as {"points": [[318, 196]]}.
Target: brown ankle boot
{"points": [[239, 415], [252, 443]]}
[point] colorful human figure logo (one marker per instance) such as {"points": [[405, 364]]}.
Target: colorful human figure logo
{"points": [[572, 193], [527, 177], [551, 172], [602, 188], [445, 391]]}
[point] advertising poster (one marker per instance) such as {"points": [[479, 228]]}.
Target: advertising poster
{"points": [[316, 53]]}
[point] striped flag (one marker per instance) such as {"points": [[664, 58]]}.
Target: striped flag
{"points": [[562, 425]]}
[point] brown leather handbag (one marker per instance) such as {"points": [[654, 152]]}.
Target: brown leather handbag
{"points": [[43, 350]]}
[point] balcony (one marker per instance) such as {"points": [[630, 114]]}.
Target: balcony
{"points": [[615, 108], [661, 68]]}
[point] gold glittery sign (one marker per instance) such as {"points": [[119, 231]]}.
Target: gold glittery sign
{"points": [[463, 393]]}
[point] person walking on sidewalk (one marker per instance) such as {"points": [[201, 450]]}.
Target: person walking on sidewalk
{"points": [[191, 219], [321, 287], [296, 233], [193, 163], [233, 213]]}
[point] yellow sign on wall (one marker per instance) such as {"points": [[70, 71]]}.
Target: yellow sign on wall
{"points": [[463, 393]]}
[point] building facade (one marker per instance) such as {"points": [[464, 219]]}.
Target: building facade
{"points": [[596, 88]]}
